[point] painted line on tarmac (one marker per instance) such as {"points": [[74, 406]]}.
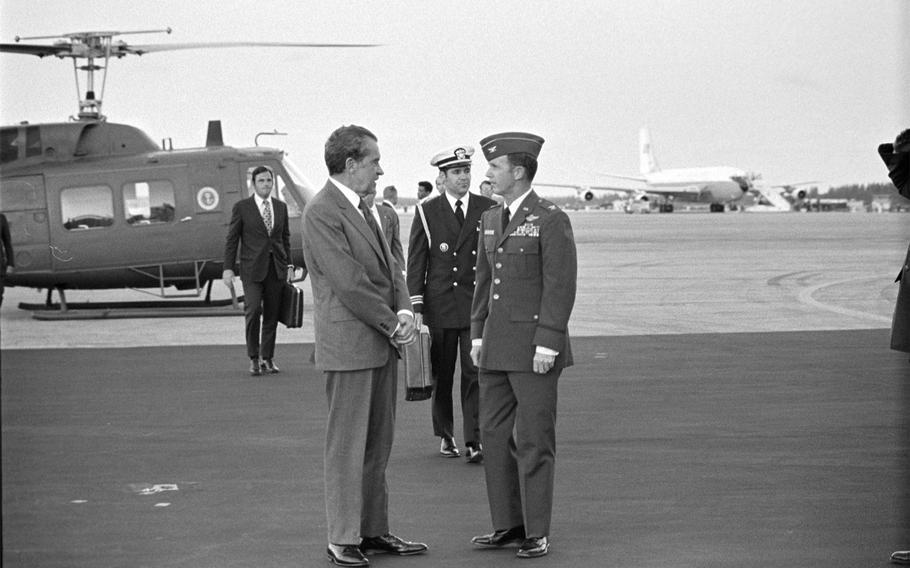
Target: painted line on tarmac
{"points": [[806, 297]]}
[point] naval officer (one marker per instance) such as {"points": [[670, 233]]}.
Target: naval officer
{"points": [[526, 272], [442, 251]]}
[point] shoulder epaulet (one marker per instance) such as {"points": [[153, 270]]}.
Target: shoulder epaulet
{"points": [[546, 204], [430, 198]]}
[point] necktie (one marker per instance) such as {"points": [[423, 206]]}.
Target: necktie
{"points": [[459, 213], [371, 221], [267, 215], [506, 216]]}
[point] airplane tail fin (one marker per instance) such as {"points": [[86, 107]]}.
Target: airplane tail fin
{"points": [[647, 162]]}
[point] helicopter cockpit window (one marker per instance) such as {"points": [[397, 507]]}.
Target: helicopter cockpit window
{"points": [[294, 209], [88, 207], [147, 202]]}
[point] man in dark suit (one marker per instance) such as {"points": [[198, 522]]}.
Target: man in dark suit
{"points": [[362, 314], [897, 158], [259, 227], [525, 291], [442, 251]]}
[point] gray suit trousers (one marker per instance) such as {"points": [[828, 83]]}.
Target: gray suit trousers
{"points": [[358, 441]]}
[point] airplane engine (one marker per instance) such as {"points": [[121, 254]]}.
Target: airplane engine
{"points": [[799, 194], [588, 195]]}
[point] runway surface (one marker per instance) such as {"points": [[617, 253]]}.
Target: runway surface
{"points": [[734, 403]]}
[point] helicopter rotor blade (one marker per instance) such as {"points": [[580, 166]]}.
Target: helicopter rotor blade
{"points": [[39, 50], [142, 49]]}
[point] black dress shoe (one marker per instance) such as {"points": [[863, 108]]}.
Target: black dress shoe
{"points": [[534, 547], [447, 448], [346, 555], [255, 368], [474, 454], [514, 535], [392, 544], [268, 366]]}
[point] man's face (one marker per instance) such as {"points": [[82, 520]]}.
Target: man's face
{"points": [[262, 184], [501, 175], [457, 180], [422, 192], [367, 170]]}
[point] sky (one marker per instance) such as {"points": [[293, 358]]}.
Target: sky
{"points": [[796, 90]]}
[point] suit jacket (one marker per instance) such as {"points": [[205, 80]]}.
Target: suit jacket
{"points": [[441, 271], [247, 230], [525, 286], [391, 228], [357, 291], [900, 323]]}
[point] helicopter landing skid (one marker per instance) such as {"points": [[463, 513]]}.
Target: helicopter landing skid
{"points": [[128, 310]]}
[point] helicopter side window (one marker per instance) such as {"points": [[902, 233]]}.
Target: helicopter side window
{"points": [[148, 202], [9, 149], [32, 141], [89, 207]]}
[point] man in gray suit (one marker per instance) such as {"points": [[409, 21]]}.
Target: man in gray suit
{"points": [[362, 314]]}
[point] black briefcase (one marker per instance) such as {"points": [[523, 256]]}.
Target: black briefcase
{"points": [[291, 311]]}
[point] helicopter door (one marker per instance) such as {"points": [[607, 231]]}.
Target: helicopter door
{"points": [[24, 203], [118, 219]]}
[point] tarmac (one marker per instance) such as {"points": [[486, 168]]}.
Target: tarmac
{"points": [[733, 403]]}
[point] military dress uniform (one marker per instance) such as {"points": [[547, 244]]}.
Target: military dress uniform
{"points": [[441, 284], [526, 278]]}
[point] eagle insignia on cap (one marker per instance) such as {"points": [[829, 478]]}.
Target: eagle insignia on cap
{"points": [[460, 154]]}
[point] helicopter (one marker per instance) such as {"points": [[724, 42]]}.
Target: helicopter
{"points": [[93, 204]]}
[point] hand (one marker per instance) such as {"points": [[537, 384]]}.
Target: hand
{"points": [[418, 321], [228, 277], [543, 363], [475, 355], [407, 331]]}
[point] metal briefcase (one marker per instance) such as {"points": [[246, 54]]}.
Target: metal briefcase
{"points": [[418, 377]]}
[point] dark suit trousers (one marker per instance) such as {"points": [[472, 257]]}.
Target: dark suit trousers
{"points": [[358, 441], [447, 345], [519, 468], [261, 301]]}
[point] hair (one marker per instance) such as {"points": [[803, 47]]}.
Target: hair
{"points": [[389, 191], [258, 170], [902, 142], [525, 160], [426, 185], [345, 142]]}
